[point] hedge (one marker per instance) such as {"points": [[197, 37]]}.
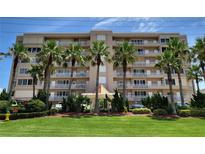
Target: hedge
{"points": [[141, 111], [184, 113], [15, 116], [158, 112], [192, 112]]}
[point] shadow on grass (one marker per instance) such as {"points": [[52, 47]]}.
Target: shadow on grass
{"points": [[165, 118]]}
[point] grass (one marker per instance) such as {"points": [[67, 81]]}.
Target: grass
{"points": [[109, 126]]}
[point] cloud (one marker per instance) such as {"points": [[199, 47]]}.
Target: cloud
{"points": [[1, 89], [134, 24]]}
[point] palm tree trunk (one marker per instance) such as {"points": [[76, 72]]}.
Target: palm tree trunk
{"points": [[13, 76], [96, 93], [48, 90], [169, 76], [180, 88], [193, 86], [34, 87], [71, 77], [197, 83], [124, 84], [45, 79]]}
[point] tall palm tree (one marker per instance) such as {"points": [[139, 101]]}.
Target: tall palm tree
{"points": [[19, 52], [36, 73], [98, 52], [124, 55], [181, 52], [199, 49], [74, 55], [194, 73], [49, 55], [166, 61]]}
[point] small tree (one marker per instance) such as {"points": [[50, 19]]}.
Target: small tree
{"points": [[117, 102], [198, 100], [4, 95]]}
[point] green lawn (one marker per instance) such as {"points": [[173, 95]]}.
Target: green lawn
{"points": [[103, 126]]}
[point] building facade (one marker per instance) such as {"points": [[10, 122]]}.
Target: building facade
{"points": [[142, 80]]}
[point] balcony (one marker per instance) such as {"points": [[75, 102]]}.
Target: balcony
{"points": [[68, 43], [67, 75], [139, 43], [148, 53], [144, 64], [66, 86], [135, 98], [139, 75]]}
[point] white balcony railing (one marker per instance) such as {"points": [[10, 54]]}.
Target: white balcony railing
{"points": [[66, 86], [69, 74]]}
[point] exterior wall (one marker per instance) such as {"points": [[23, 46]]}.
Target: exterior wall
{"points": [[152, 47]]}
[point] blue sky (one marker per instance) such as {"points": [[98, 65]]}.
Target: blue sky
{"points": [[11, 27]]}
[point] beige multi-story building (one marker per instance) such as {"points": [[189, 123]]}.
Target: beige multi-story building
{"points": [[142, 80]]}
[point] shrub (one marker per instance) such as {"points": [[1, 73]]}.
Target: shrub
{"points": [[141, 111], [35, 105], [158, 112], [75, 103], [41, 95], [198, 112], [4, 95], [156, 101], [183, 107], [184, 113], [198, 100], [117, 104], [15, 116], [53, 111], [4, 106]]}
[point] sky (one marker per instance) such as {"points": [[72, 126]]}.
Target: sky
{"points": [[11, 27]]}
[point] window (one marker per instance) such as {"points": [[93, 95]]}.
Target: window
{"points": [[164, 40], [140, 51], [102, 68], [140, 93], [101, 37], [173, 81], [163, 49], [102, 80], [141, 71], [23, 71], [29, 81], [139, 82]]}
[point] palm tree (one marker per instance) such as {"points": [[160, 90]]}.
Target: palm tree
{"points": [[181, 51], [74, 55], [49, 55], [199, 50], [166, 61], [124, 55], [194, 73], [19, 52], [98, 52], [36, 73]]}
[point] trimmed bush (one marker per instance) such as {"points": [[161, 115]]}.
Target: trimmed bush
{"points": [[158, 112], [198, 112], [15, 116], [141, 111], [53, 111], [184, 113], [35, 105], [4, 106]]}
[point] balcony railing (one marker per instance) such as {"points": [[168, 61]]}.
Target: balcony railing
{"points": [[69, 74], [129, 74], [144, 64], [133, 97], [143, 42], [66, 86]]}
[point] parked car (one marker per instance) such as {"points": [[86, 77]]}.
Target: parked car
{"points": [[134, 106]]}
